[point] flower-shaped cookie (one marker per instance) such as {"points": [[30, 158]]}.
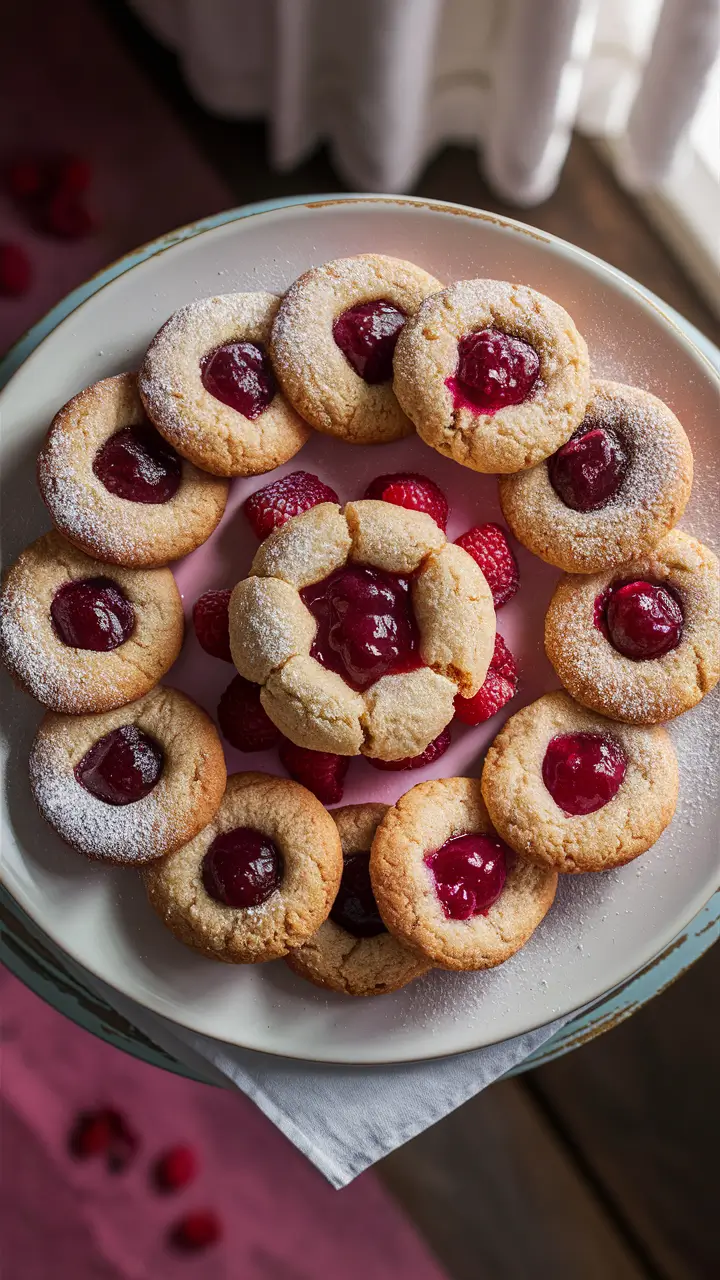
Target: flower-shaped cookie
{"points": [[362, 625]]}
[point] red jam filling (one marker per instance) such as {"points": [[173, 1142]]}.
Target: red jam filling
{"points": [[92, 613], [588, 471], [583, 771], [355, 908], [640, 619], [121, 767], [367, 335], [469, 873], [366, 627], [494, 371], [138, 465], [242, 868], [240, 375]]}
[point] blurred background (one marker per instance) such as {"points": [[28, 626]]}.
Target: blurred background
{"points": [[599, 121]]}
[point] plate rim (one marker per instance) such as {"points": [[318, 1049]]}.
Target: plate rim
{"points": [[31, 342]]}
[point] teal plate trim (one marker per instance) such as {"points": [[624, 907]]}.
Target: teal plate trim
{"points": [[42, 967]]}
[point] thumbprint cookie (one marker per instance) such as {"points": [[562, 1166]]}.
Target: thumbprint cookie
{"points": [[612, 492], [116, 489], [353, 952], [129, 785], [83, 636], [209, 387], [447, 886], [493, 375], [574, 791], [259, 879], [641, 642], [361, 626], [333, 342]]}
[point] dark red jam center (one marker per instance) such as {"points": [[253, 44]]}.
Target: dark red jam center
{"points": [[367, 335], [355, 908], [138, 465], [239, 374], [494, 370], [121, 767], [640, 619], [366, 627], [242, 868], [583, 771], [469, 873], [589, 470], [92, 613]]}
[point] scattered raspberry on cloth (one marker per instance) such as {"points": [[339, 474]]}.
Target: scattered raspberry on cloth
{"points": [[242, 718], [499, 687], [272, 506], [413, 491], [489, 547], [320, 771]]}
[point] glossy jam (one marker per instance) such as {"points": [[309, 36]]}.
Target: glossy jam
{"points": [[641, 619], [583, 771], [588, 471], [494, 371], [138, 465], [242, 868], [469, 874], [240, 375], [367, 335], [355, 908], [365, 624], [121, 767], [92, 613]]}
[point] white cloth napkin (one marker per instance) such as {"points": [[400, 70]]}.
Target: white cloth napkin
{"points": [[342, 1118]]}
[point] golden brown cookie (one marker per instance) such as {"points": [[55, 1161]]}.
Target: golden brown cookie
{"points": [[493, 375], [353, 952], [362, 625], [640, 643], [208, 386], [259, 879], [116, 489], [333, 340], [612, 492], [573, 791], [447, 886], [129, 785], [82, 636]]}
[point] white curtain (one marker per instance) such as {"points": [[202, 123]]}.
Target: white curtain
{"points": [[386, 82]]}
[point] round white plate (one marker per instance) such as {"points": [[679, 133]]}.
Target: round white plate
{"points": [[602, 928]]}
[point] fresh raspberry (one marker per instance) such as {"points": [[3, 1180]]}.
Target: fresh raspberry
{"points": [[175, 1169], [268, 508], [15, 270], [91, 1134], [210, 619], [416, 492], [73, 174], [243, 719], [489, 547], [67, 216], [500, 686], [320, 771], [432, 752], [197, 1230], [24, 178]]}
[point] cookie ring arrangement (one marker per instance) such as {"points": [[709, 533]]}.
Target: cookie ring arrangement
{"points": [[208, 387], [333, 342], [83, 636], [361, 630], [259, 879], [353, 952], [612, 492], [297, 627], [116, 489], [640, 642], [131, 785], [573, 791], [493, 375], [445, 883]]}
